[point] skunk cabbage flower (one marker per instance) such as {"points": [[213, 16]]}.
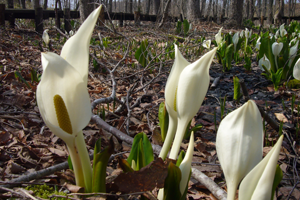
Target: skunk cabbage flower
{"points": [[192, 87], [242, 33], [248, 33], [276, 48], [271, 35], [264, 61], [277, 34], [235, 40], [293, 34], [293, 41], [63, 99], [45, 37], [170, 99], [293, 53], [71, 33], [239, 144], [218, 37], [206, 44], [259, 181], [296, 70], [185, 165], [257, 46], [76, 49], [282, 30]]}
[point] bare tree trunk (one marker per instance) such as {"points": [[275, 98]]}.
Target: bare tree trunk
{"points": [[164, 13], [45, 5], [208, 12], [251, 11], [147, 10], [235, 15], [223, 9], [109, 6], [85, 8], [23, 4], [203, 4], [130, 6], [258, 8], [156, 6], [270, 12], [282, 8], [193, 10], [247, 9]]}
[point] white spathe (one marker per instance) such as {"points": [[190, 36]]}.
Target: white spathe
{"points": [[293, 53], [192, 87], [170, 99], [239, 144], [259, 181], [45, 37], [264, 61], [235, 40], [257, 46], [218, 37], [76, 49], [206, 44], [185, 165], [296, 70], [276, 48], [59, 77]]}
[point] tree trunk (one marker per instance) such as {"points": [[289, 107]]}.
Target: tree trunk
{"points": [[23, 4], [193, 10], [10, 4], [125, 6], [45, 4], [251, 9], [203, 4], [147, 10], [223, 9], [85, 8], [258, 8], [235, 15], [130, 6], [270, 12], [247, 9], [165, 11], [282, 8], [156, 6], [208, 13]]}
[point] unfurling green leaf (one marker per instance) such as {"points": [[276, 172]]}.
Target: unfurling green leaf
{"points": [[163, 118], [99, 165], [141, 151]]}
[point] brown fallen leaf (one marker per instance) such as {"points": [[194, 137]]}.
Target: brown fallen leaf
{"points": [[281, 117], [149, 177]]}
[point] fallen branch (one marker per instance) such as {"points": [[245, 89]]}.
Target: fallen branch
{"points": [[209, 184]]}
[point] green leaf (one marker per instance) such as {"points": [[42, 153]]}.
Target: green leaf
{"points": [[186, 27], [18, 75], [34, 77], [125, 166], [229, 55], [172, 182], [142, 54], [70, 163], [141, 151], [180, 158], [178, 27], [237, 88], [99, 165], [278, 177], [163, 118]]}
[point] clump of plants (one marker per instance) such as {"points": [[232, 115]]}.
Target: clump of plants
{"points": [[45, 191]]}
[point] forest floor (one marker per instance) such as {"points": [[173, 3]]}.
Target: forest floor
{"points": [[27, 145]]}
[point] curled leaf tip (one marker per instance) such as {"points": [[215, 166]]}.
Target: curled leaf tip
{"points": [[62, 114]]}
